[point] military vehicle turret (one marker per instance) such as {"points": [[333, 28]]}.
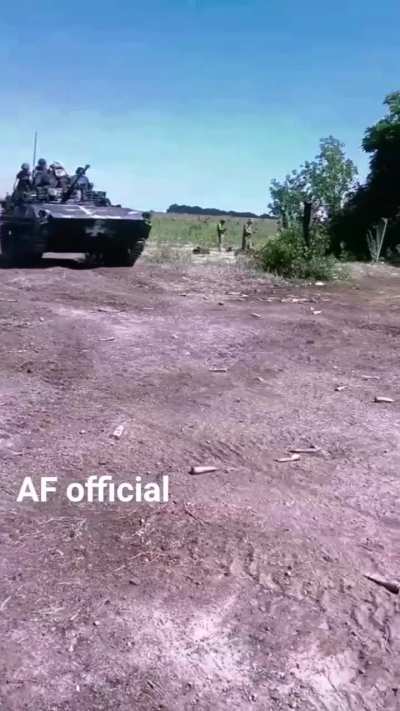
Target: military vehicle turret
{"points": [[70, 217]]}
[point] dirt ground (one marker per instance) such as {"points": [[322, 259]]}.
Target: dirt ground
{"points": [[248, 589]]}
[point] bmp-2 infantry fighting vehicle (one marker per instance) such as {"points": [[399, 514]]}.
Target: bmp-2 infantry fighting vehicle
{"points": [[71, 217]]}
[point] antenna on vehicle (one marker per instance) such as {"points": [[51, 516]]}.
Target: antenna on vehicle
{"points": [[34, 149]]}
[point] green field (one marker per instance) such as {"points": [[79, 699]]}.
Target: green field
{"points": [[201, 230]]}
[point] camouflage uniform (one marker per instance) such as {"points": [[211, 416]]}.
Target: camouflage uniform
{"points": [[221, 230], [41, 176], [58, 176], [82, 182], [24, 179], [82, 185], [247, 235]]}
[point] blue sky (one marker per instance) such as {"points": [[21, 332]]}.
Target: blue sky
{"points": [[191, 101]]}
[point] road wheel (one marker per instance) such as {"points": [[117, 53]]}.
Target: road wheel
{"points": [[124, 256], [13, 254], [8, 251], [137, 250]]}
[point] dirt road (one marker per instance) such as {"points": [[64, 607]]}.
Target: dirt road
{"points": [[246, 590]]}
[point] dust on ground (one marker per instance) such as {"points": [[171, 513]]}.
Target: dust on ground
{"points": [[248, 589]]}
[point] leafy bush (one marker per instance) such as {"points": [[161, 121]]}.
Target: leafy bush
{"points": [[289, 256]]}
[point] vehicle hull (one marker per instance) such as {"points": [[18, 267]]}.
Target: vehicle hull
{"points": [[116, 233]]}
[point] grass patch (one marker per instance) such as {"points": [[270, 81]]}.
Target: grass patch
{"points": [[201, 230], [164, 253]]}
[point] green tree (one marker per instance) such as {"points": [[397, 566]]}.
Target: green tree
{"points": [[386, 131], [330, 177], [326, 181], [379, 198], [382, 141], [287, 198]]}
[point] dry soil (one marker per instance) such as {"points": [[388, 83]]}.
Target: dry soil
{"points": [[248, 589]]}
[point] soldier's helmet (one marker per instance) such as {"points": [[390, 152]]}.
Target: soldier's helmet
{"points": [[25, 167], [42, 162], [79, 171]]}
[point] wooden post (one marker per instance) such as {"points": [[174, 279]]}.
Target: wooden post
{"points": [[307, 221]]}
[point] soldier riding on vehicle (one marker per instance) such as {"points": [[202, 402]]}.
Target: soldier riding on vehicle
{"points": [[41, 174], [58, 176], [24, 179], [81, 183]]}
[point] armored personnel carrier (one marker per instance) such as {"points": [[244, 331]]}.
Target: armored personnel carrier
{"points": [[70, 219]]}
